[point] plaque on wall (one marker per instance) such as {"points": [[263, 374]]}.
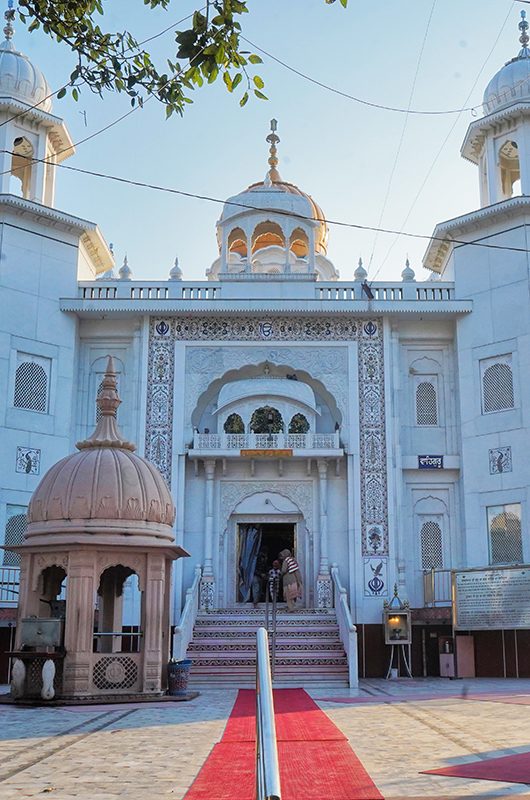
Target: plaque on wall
{"points": [[430, 462], [492, 598]]}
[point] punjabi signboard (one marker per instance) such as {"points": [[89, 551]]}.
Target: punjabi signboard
{"points": [[492, 598]]}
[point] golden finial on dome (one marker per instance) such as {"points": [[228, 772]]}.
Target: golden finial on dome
{"points": [[524, 38], [107, 433], [273, 175], [9, 16]]}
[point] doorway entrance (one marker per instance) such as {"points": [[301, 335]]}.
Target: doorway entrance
{"points": [[258, 546]]}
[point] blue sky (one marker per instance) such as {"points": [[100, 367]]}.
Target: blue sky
{"points": [[340, 152]]}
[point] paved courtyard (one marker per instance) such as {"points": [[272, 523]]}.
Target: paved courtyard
{"points": [[141, 751]]}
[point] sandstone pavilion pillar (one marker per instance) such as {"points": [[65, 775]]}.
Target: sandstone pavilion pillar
{"points": [[97, 559]]}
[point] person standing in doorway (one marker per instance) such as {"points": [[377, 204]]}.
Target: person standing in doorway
{"points": [[274, 579], [291, 578]]}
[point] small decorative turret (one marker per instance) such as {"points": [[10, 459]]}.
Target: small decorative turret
{"points": [[408, 273], [176, 272], [125, 272], [360, 273], [107, 433]]}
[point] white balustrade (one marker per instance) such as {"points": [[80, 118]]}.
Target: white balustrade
{"points": [[266, 441], [184, 630], [347, 630]]}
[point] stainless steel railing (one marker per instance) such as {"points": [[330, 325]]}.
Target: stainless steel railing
{"points": [[271, 590], [267, 767]]}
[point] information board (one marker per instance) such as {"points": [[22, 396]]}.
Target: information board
{"points": [[492, 598]]}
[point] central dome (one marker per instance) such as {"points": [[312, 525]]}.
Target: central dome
{"points": [[105, 490]]}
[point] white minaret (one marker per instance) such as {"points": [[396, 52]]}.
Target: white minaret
{"points": [[32, 139], [499, 142]]}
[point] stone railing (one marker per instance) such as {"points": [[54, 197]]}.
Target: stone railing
{"points": [[184, 630], [385, 291], [9, 583], [347, 630], [214, 290], [266, 441]]}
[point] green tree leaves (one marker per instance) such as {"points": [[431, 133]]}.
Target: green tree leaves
{"points": [[115, 61]]}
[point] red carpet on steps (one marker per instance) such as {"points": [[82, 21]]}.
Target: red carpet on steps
{"points": [[509, 769], [316, 760]]}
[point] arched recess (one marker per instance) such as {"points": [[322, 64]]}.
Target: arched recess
{"points": [[234, 424], [266, 419], [265, 502], [209, 396], [299, 243], [266, 234], [52, 591], [510, 170], [431, 533], [21, 166], [237, 242], [118, 611]]}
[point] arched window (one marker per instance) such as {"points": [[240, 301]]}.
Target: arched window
{"points": [[234, 424], [21, 167], [266, 420], [31, 384], [497, 385], [504, 525], [15, 529], [118, 612], [431, 546], [298, 424], [426, 404]]}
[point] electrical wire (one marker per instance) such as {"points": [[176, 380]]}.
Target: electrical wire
{"points": [[66, 85], [280, 212], [403, 131], [442, 146]]}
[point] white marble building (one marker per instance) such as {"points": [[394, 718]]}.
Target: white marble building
{"points": [[354, 385]]}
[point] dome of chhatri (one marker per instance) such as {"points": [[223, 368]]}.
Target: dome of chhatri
{"points": [[276, 195], [105, 491], [511, 84], [19, 78]]}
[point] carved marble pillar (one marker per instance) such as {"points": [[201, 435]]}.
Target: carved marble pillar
{"points": [[154, 614], [324, 593], [207, 586], [78, 635]]}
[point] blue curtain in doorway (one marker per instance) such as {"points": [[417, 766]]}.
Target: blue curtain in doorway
{"points": [[250, 545]]}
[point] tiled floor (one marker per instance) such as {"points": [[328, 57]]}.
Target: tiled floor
{"points": [[398, 729]]}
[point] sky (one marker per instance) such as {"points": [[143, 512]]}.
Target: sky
{"points": [[367, 166]]}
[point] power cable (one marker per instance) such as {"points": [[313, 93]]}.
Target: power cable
{"points": [[442, 146], [403, 130], [66, 85], [281, 212]]}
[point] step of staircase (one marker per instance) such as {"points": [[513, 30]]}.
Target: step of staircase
{"points": [[308, 648]]}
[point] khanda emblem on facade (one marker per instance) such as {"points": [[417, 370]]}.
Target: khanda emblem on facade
{"points": [[376, 584], [265, 330], [162, 328]]}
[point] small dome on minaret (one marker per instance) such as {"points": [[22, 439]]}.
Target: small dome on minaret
{"points": [[19, 77], [511, 84]]}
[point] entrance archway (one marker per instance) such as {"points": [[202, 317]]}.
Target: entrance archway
{"points": [[280, 521]]}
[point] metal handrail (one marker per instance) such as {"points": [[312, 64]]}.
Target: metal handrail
{"points": [[272, 589], [267, 766]]}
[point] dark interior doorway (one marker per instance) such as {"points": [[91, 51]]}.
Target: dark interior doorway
{"points": [[275, 537]]}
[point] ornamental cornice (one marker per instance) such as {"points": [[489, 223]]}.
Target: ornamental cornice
{"points": [[476, 132], [442, 241], [336, 308]]}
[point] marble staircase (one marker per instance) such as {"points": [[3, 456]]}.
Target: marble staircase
{"points": [[308, 648]]}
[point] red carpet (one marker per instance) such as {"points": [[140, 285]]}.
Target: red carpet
{"points": [[316, 760], [510, 769]]}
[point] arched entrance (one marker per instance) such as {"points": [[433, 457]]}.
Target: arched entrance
{"points": [[265, 522]]}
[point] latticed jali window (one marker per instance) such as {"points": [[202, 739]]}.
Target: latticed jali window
{"points": [[14, 533], [497, 385], [31, 384], [426, 404], [504, 526], [431, 544]]}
